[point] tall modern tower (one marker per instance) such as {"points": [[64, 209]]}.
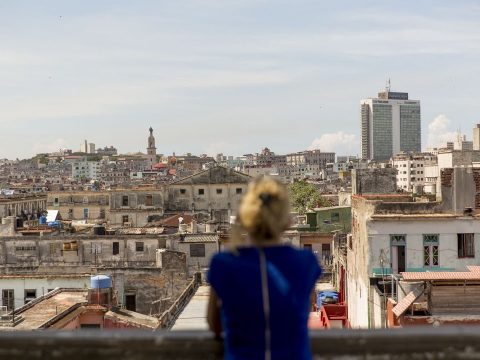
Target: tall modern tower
{"points": [[390, 124]]}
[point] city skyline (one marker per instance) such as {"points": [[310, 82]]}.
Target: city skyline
{"points": [[215, 77]]}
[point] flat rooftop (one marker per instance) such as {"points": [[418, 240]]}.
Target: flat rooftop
{"points": [[45, 309]]}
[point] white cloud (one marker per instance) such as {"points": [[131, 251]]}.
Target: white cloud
{"points": [[54, 146], [439, 131], [339, 142]]}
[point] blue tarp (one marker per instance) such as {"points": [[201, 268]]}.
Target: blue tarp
{"points": [[327, 297]]}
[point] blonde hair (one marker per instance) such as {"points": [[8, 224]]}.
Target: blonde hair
{"points": [[264, 211]]}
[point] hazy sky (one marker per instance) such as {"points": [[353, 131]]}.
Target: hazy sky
{"points": [[228, 76]]}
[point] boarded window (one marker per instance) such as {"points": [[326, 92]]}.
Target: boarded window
{"points": [[149, 200], [466, 246], [116, 248], [197, 250]]}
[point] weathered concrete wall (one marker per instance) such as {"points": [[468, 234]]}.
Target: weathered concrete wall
{"points": [[18, 205], [78, 250], [460, 189], [409, 343], [216, 189], [374, 181]]}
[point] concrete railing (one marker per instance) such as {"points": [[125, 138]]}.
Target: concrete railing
{"points": [[168, 318], [412, 343]]}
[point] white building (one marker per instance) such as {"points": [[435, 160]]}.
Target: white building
{"points": [[310, 157], [476, 137], [389, 124], [393, 237], [86, 170], [411, 170]]}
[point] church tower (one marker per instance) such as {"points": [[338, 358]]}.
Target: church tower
{"points": [[151, 150]]}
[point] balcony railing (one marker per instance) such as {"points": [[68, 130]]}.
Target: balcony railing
{"points": [[407, 343]]}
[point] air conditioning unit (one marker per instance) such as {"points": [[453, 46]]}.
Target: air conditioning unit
{"points": [[127, 224]]}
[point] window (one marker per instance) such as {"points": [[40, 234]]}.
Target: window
{"points": [[70, 214], [398, 245], [52, 248], [102, 214], [335, 217], [197, 250], [30, 294], [55, 201], [139, 246], [85, 213], [430, 250], [116, 248], [201, 191], [131, 302], [8, 299], [25, 248], [466, 247], [125, 200], [307, 246], [183, 191], [149, 200], [85, 200], [96, 248], [124, 219], [238, 191], [219, 191]]}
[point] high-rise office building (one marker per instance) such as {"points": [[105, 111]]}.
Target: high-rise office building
{"points": [[476, 137], [389, 124]]}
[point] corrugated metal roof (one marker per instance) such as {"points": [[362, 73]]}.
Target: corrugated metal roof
{"points": [[440, 275], [200, 238], [408, 300]]}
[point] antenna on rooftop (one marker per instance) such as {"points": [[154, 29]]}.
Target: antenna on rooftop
{"points": [[388, 87]]}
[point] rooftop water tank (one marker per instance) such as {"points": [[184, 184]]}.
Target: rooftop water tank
{"points": [[100, 282]]}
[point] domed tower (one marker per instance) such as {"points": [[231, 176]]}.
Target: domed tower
{"points": [[151, 150]]}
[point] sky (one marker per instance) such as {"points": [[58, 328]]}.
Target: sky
{"points": [[232, 76]]}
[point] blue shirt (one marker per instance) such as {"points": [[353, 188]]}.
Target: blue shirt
{"points": [[236, 279]]}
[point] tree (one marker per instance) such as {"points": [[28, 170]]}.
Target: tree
{"points": [[305, 196]]}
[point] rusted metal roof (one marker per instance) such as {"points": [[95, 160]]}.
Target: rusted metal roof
{"points": [[407, 301]]}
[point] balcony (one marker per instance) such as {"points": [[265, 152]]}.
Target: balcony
{"points": [[407, 343]]}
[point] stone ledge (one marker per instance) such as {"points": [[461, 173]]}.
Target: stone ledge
{"points": [[412, 343]]}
